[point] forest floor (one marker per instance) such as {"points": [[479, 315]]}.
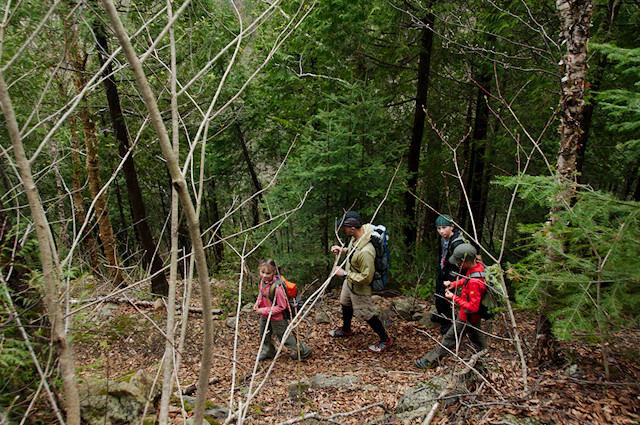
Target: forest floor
{"points": [[556, 393]]}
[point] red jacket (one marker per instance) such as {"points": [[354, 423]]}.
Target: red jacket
{"points": [[472, 291]]}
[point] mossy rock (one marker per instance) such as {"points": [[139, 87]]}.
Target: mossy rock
{"points": [[190, 403], [114, 402], [515, 420], [150, 419]]}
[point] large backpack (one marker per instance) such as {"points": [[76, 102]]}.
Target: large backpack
{"points": [[490, 300], [293, 297], [380, 241]]}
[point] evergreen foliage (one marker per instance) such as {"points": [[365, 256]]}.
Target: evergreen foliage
{"points": [[590, 288], [622, 104]]}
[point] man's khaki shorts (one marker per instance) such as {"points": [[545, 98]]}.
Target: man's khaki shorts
{"points": [[362, 304]]}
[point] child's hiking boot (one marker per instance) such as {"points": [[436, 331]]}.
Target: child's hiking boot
{"points": [[444, 328], [381, 345], [421, 364], [295, 356], [338, 332]]}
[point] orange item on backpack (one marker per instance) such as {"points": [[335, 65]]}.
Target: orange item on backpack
{"points": [[292, 288]]}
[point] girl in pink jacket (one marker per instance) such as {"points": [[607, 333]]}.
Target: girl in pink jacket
{"points": [[272, 299]]}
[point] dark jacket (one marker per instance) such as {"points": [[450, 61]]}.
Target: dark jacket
{"points": [[444, 271]]}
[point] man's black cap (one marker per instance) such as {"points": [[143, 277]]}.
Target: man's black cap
{"points": [[351, 219]]}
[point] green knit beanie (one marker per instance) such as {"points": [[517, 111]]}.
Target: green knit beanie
{"points": [[444, 220]]}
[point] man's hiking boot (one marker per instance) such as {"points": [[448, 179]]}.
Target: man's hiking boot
{"points": [[263, 358], [338, 332], [381, 346], [421, 364]]}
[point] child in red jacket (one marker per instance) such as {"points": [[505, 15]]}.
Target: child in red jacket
{"points": [[469, 301]]}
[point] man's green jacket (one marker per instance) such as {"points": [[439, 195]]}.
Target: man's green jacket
{"points": [[361, 263]]}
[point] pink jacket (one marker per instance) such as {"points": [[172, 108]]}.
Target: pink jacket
{"points": [[263, 303]]}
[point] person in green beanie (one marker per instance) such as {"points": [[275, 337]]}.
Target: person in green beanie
{"points": [[450, 238]]}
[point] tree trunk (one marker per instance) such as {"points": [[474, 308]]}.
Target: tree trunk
{"points": [[95, 185], [575, 21], [59, 340], [89, 241], [218, 249], [159, 284], [93, 170], [462, 212], [544, 350], [169, 348], [122, 236], [476, 177], [415, 147], [426, 230], [257, 186], [180, 184]]}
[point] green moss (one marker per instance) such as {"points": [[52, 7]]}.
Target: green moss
{"points": [[127, 376], [257, 408], [208, 404], [175, 400], [150, 420], [124, 323], [211, 420]]}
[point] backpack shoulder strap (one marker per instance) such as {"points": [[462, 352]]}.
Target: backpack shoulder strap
{"points": [[458, 238], [454, 242], [478, 275], [274, 287], [475, 275]]}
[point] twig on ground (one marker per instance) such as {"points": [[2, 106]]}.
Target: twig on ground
{"points": [[315, 415]]}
